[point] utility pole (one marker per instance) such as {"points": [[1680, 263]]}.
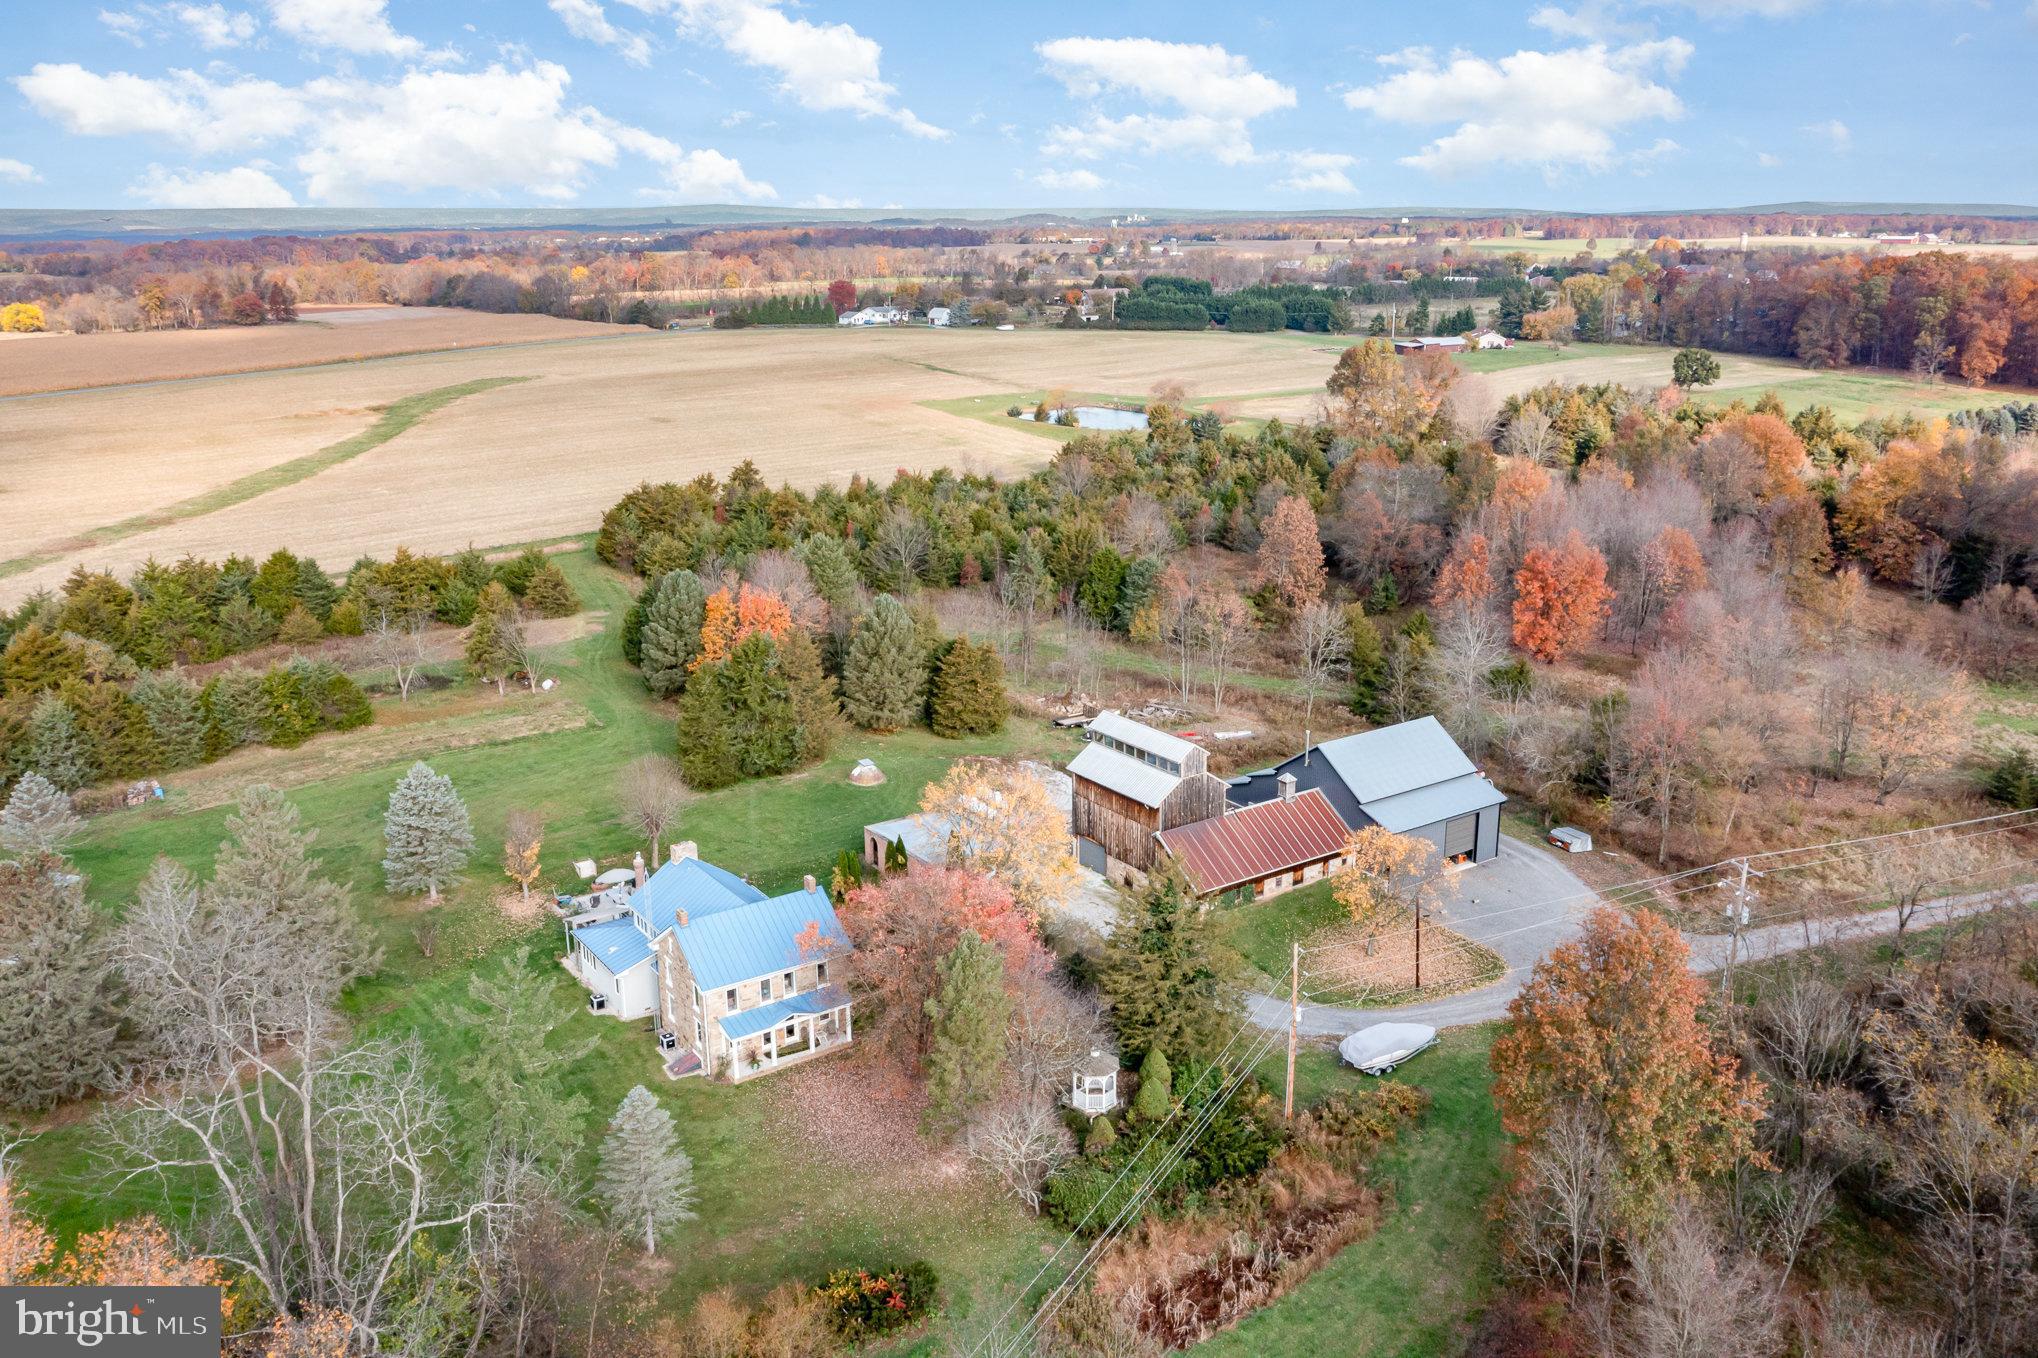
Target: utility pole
{"points": [[1294, 1024], [1737, 920], [1418, 950]]}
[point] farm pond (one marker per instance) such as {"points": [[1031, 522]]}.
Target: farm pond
{"points": [[1102, 417]]}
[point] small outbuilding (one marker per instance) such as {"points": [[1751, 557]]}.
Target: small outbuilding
{"points": [[1093, 1087]]}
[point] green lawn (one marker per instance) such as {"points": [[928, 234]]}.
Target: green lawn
{"points": [[2014, 706], [1532, 353], [991, 409], [770, 1209], [1854, 395], [1413, 1288], [1263, 932]]}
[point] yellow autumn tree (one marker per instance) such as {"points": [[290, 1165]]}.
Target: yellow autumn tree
{"points": [[1387, 876], [1001, 820]]}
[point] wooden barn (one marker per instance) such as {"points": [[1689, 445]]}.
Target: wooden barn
{"points": [[1131, 782]]}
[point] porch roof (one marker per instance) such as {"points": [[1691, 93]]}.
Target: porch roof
{"points": [[751, 1021]]}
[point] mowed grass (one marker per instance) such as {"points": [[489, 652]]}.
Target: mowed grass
{"points": [[1856, 394], [1413, 1288], [1531, 353], [771, 1209]]}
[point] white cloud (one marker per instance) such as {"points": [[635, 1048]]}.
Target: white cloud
{"points": [[586, 19], [359, 26], [18, 172], [829, 202], [122, 24], [1768, 161], [485, 131], [1206, 97], [1080, 181], [1318, 172], [1837, 136], [216, 26], [182, 106], [829, 68], [1735, 9], [242, 186], [1555, 110]]}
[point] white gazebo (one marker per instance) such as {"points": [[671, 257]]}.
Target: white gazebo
{"points": [[1093, 1086]]}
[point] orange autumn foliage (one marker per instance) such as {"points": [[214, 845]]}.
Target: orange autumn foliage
{"points": [[1520, 485], [1610, 1022], [25, 1247], [1560, 598], [1467, 574], [730, 619], [1290, 557], [1782, 452]]}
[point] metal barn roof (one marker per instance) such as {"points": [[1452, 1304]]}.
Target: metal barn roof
{"points": [[1459, 796], [1139, 735], [1256, 842], [1124, 775], [1396, 759]]}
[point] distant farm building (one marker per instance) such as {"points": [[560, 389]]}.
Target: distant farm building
{"points": [[1490, 339], [1423, 344], [1130, 782]]}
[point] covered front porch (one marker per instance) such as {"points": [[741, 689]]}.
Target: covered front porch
{"points": [[787, 1032]]}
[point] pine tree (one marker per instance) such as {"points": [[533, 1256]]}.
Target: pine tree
{"points": [[550, 595], [1156, 1087], [672, 631], [264, 870], [1161, 972], [969, 691], [315, 588], [646, 1178], [1368, 663], [967, 1012], [489, 644], [301, 627], [884, 676], [114, 729], [235, 711], [58, 1022], [816, 706], [1101, 1137], [833, 572], [517, 1074], [427, 833], [37, 659], [274, 589], [38, 820], [55, 747]]}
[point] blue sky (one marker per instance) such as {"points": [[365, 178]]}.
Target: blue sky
{"points": [[1612, 104]]}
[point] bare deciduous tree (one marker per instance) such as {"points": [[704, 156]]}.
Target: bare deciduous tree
{"points": [[1324, 651], [1020, 1143], [652, 795], [396, 638], [1694, 1300]]}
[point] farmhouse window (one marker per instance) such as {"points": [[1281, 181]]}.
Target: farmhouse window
{"points": [[790, 988], [729, 999], [764, 988], [820, 973]]}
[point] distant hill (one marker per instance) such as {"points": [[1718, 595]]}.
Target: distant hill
{"points": [[31, 224]]}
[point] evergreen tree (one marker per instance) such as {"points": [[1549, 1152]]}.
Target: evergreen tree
{"points": [[37, 821], [114, 729], [969, 691], [518, 572], [829, 566], [274, 589], [291, 710], [1368, 662], [1162, 974], [816, 705], [243, 626], [646, 1178], [519, 1070], [236, 711], [37, 660], [344, 620], [301, 627], [550, 595], [58, 1021], [763, 710], [672, 631], [1136, 591], [884, 675], [1101, 1137], [315, 590], [1377, 327], [264, 871], [967, 1014], [427, 833], [1103, 581], [95, 606], [54, 746], [344, 705], [490, 645], [1156, 1087]]}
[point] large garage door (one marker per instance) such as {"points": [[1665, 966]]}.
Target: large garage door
{"points": [[1090, 854], [1461, 835]]}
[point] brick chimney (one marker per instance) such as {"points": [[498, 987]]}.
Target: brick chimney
{"points": [[680, 917], [684, 849], [637, 867], [1286, 782], [810, 883]]}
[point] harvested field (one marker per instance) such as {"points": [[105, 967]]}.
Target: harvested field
{"points": [[58, 362], [544, 456]]}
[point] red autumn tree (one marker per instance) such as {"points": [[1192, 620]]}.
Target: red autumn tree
{"points": [[1609, 1025], [1560, 597], [842, 295], [902, 926], [1290, 558], [1467, 575]]}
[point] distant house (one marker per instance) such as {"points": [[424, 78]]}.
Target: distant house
{"points": [[1411, 779], [1490, 339], [1264, 849], [1131, 781], [740, 983], [873, 315], [1443, 344]]}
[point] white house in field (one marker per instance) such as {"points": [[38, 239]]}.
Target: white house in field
{"points": [[739, 983]]}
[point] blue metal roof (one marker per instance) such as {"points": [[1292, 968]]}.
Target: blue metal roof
{"points": [[699, 888], [1421, 806], [765, 1016], [617, 944], [737, 944], [1396, 759]]}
